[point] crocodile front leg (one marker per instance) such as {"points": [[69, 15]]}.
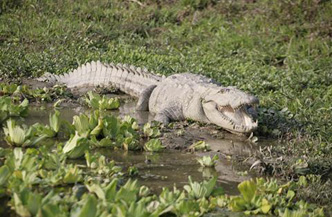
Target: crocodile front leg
{"points": [[169, 114]]}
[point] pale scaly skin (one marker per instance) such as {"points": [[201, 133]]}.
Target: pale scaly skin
{"points": [[177, 97]]}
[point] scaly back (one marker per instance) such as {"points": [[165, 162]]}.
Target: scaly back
{"points": [[129, 79]]}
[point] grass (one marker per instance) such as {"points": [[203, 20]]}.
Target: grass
{"points": [[277, 50]]}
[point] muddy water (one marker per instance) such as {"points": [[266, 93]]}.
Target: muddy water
{"points": [[171, 167]]}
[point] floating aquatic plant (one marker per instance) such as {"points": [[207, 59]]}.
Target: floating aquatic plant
{"points": [[151, 131], [9, 109], [199, 146], [76, 146], [203, 189], [96, 101], [153, 145], [207, 161], [21, 136]]}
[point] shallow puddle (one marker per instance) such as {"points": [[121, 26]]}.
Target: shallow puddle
{"points": [[170, 167]]}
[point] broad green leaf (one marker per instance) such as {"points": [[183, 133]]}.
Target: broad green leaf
{"points": [[248, 190], [110, 190], [20, 209], [89, 208], [73, 175], [4, 174], [81, 124], [266, 207], [94, 188], [153, 145], [97, 130], [34, 202], [55, 122], [76, 146]]}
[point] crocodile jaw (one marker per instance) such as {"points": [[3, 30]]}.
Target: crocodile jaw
{"points": [[237, 120]]}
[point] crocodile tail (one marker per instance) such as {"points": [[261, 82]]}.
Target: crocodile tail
{"points": [[129, 79], [49, 78]]}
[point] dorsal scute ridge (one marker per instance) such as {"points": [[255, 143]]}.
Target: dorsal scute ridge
{"points": [[127, 77]]}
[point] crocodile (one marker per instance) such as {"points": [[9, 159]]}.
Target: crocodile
{"points": [[173, 98]]}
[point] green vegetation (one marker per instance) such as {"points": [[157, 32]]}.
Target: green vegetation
{"points": [[26, 178], [37, 180], [21, 136], [96, 101], [199, 146], [277, 50], [35, 94], [153, 145], [207, 161], [9, 109]]}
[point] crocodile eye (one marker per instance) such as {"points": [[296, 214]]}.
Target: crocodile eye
{"points": [[224, 90]]}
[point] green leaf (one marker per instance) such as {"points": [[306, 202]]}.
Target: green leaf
{"points": [[153, 145], [97, 130], [4, 174], [207, 161], [73, 175], [89, 208], [265, 206], [248, 190], [128, 192], [81, 124], [15, 134], [110, 190], [95, 188], [55, 122], [34, 203], [238, 204], [76, 146], [19, 207]]}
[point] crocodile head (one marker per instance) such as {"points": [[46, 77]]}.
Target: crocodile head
{"points": [[231, 109]]}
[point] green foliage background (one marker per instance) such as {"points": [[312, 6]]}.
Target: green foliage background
{"points": [[277, 50]]}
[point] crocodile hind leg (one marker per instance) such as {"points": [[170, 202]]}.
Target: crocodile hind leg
{"points": [[162, 118], [143, 100]]}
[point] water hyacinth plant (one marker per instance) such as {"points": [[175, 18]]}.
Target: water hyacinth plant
{"points": [[8, 89], [151, 131], [153, 145], [76, 146], [199, 146], [9, 109], [21, 136], [262, 196], [207, 161], [96, 101], [52, 129], [202, 190]]}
